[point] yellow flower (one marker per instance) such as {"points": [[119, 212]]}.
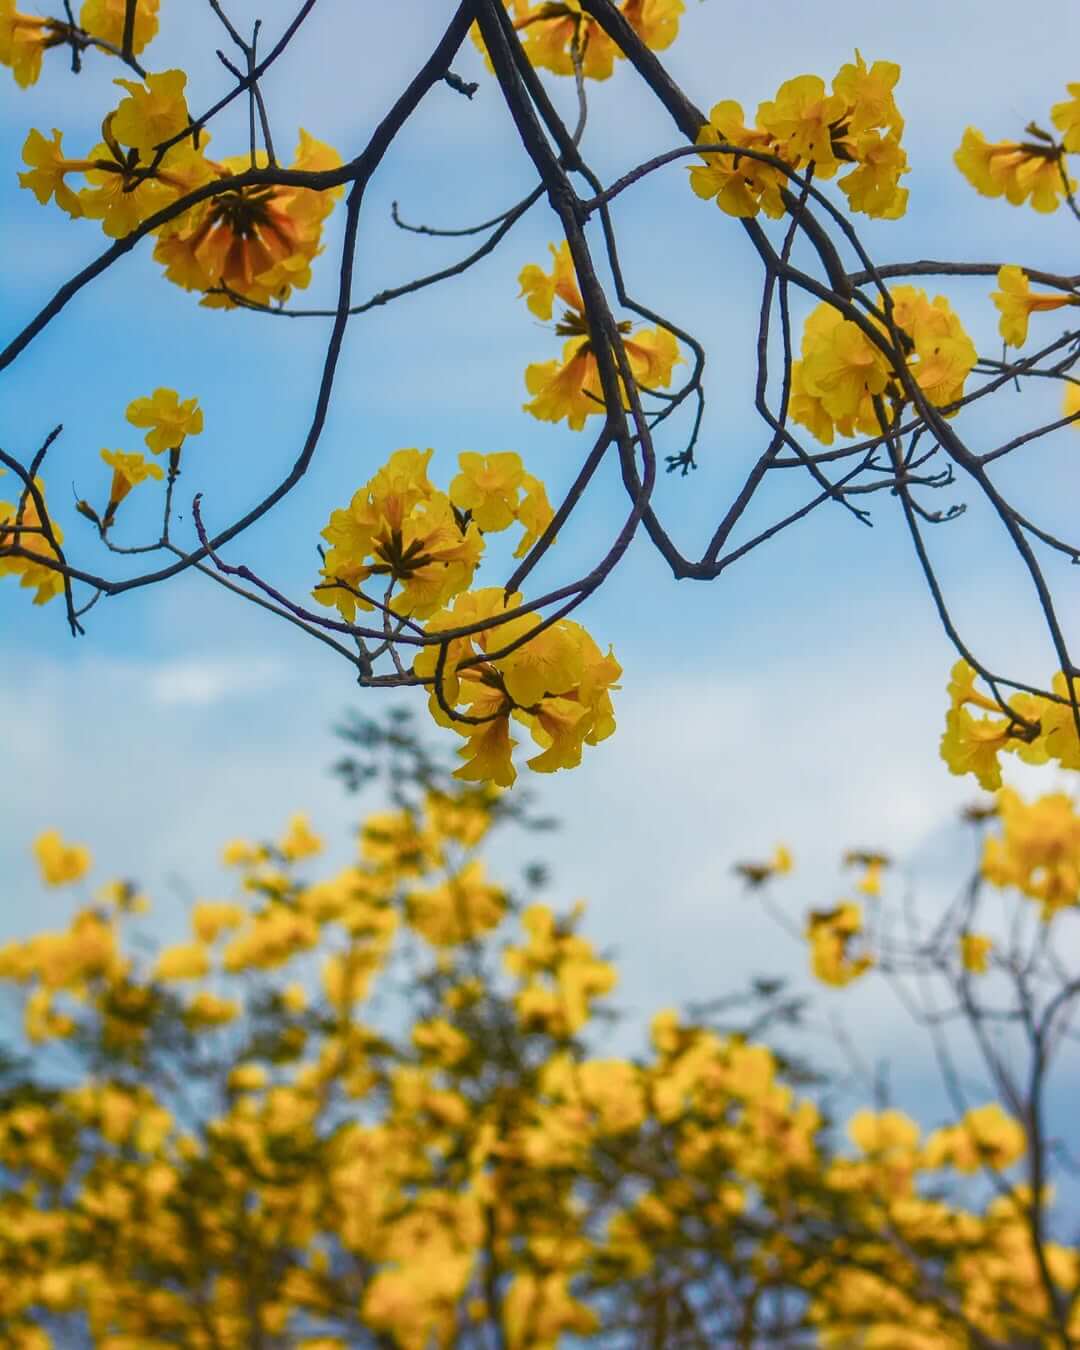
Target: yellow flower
{"points": [[60, 863], [248, 1078], [208, 1010], [299, 840], [23, 40], [105, 19], [883, 1132], [169, 419], [975, 949], [984, 1137], [153, 112], [45, 178], [184, 961], [1013, 170], [128, 472], [539, 288], [534, 513], [1038, 850], [829, 932], [488, 486], [20, 526], [462, 908], [840, 368], [571, 388], [741, 187], [868, 93], [257, 242], [873, 187], [211, 918], [801, 120], [1070, 406], [1066, 117], [1016, 303]]}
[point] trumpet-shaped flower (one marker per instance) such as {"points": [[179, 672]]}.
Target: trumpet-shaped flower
{"points": [[24, 38], [1016, 303], [128, 472], [1017, 171]]}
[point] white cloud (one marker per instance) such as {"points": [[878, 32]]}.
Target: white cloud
{"points": [[202, 683]]}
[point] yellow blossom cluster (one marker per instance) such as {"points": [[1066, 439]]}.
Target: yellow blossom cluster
{"points": [[412, 551], [21, 527], [857, 127], [1032, 170], [251, 1150], [1037, 851], [558, 35], [24, 38], [250, 243], [1037, 730], [570, 386], [843, 370], [551, 678]]}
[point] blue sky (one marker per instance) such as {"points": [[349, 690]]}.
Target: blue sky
{"points": [[797, 698]]}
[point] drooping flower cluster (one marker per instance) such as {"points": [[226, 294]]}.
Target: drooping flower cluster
{"points": [[551, 678], [559, 36], [168, 421], [411, 551], [420, 545], [843, 370], [1036, 729], [21, 527], [570, 387], [1037, 851], [253, 243], [858, 124], [24, 38]]}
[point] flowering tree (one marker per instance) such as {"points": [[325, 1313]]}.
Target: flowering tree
{"points": [[372, 1107], [873, 397]]}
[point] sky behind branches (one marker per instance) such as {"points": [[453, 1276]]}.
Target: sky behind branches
{"points": [[797, 698]]}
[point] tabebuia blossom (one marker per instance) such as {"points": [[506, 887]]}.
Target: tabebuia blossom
{"points": [[555, 681], [558, 35], [855, 128], [1016, 302], [843, 370], [1020, 171], [36, 563], [570, 386], [251, 243]]}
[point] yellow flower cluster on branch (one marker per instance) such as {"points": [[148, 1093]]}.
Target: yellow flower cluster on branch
{"points": [[843, 370], [570, 387], [253, 243], [551, 678], [21, 527], [857, 124], [1036, 729], [558, 35]]}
